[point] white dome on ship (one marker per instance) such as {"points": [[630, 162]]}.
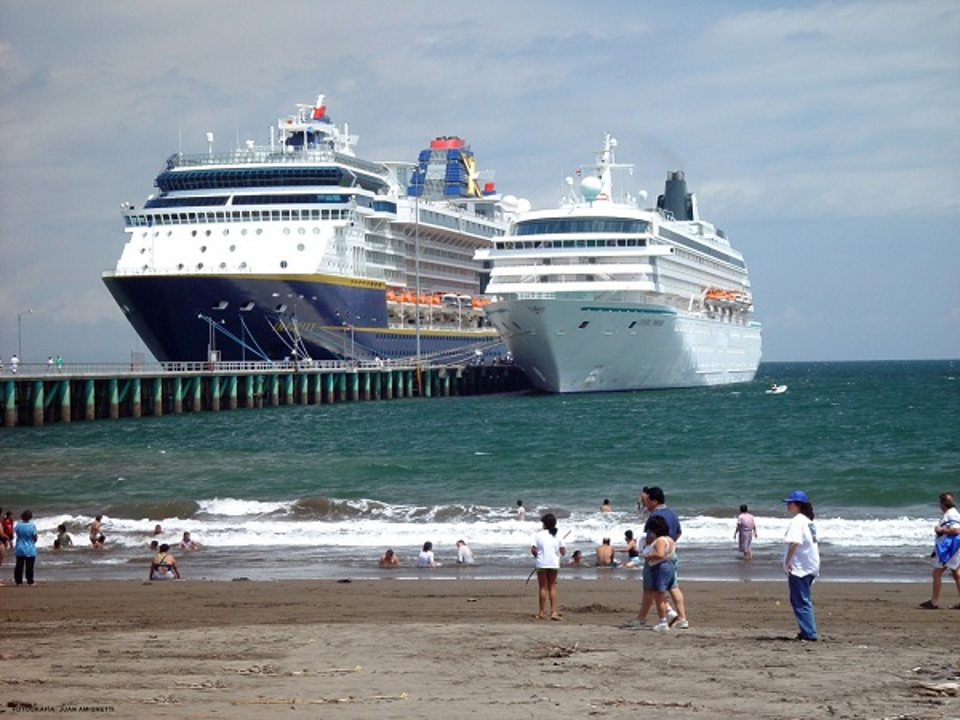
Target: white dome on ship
{"points": [[509, 203], [523, 205], [590, 187]]}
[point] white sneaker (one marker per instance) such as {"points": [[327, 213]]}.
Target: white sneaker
{"points": [[681, 625], [661, 627], [671, 615]]}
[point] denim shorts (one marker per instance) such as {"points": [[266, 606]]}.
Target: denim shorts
{"points": [[662, 576]]}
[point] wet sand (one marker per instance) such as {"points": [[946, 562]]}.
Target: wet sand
{"points": [[448, 648]]}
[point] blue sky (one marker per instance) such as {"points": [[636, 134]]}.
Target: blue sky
{"points": [[824, 138]]}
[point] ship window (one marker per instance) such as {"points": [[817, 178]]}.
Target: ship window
{"points": [[286, 231], [226, 232], [283, 263], [142, 250], [199, 266], [583, 324], [316, 231], [223, 266], [285, 215], [243, 266], [300, 247], [180, 266], [255, 215], [301, 231], [275, 215], [232, 248], [207, 233], [203, 248]]}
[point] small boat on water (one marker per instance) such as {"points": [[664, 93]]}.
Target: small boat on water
{"points": [[776, 389]]}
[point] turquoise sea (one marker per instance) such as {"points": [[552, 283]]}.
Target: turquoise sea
{"points": [[321, 491]]}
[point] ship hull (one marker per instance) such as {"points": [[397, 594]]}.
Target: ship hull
{"points": [[580, 346], [247, 317]]}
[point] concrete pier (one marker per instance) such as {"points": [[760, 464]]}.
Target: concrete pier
{"points": [[37, 396]]}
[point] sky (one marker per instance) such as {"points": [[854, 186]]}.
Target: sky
{"points": [[822, 137]]}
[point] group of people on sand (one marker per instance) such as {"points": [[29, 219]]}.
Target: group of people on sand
{"points": [[658, 558]]}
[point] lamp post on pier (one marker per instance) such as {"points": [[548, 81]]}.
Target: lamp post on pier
{"points": [[28, 311]]}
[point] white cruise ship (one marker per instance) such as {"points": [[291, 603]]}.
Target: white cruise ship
{"points": [[603, 295], [301, 250]]}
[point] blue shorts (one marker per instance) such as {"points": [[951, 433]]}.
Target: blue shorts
{"points": [[663, 576], [648, 576]]}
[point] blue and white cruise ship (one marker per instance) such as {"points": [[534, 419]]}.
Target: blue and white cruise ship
{"points": [[302, 250]]}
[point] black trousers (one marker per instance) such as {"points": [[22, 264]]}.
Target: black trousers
{"points": [[21, 564]]}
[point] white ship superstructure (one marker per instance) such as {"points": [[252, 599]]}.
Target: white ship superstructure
{"points": [[602, 294], [300, 249]]}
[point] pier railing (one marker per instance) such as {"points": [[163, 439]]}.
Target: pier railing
{"points": [[40, 393]]}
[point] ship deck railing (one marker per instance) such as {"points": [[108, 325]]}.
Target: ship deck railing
{"points": [[272, 156]]}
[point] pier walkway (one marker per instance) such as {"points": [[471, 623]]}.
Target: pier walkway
{"points": [[39, 394]]}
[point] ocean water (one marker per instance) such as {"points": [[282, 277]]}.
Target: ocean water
{"points": [[321, 491]]}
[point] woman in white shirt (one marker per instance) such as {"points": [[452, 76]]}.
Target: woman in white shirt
{"points": [[425, 558], [548, 548]]}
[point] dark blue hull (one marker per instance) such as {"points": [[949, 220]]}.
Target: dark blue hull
{"points": [[245, 317]]}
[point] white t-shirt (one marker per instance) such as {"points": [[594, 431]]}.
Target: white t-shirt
{"points": [[548, 549], [465, 555], [950, 517], [806, 560], [425, 558]]}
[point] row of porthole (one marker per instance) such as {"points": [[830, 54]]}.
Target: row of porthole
{"points": [[223, 266], [226, 231], [203, 248]]}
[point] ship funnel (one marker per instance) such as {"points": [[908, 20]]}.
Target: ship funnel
{"points": [[675, 198]]}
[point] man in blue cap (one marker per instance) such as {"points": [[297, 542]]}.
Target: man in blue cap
{"points": [[801, 561]]}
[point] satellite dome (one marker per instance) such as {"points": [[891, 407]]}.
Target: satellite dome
{"points": [[590, 187], [523, 205], [509, 202]]}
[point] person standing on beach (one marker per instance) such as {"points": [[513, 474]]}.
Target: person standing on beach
{"points": [[659, 555], [746, 531], [521, 511], [548, 548], [7, 525], [25, 548], [948, 539], [655, 502], [801, 561]]}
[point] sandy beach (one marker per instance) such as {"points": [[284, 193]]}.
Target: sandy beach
{"points": [[447, 649]]}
